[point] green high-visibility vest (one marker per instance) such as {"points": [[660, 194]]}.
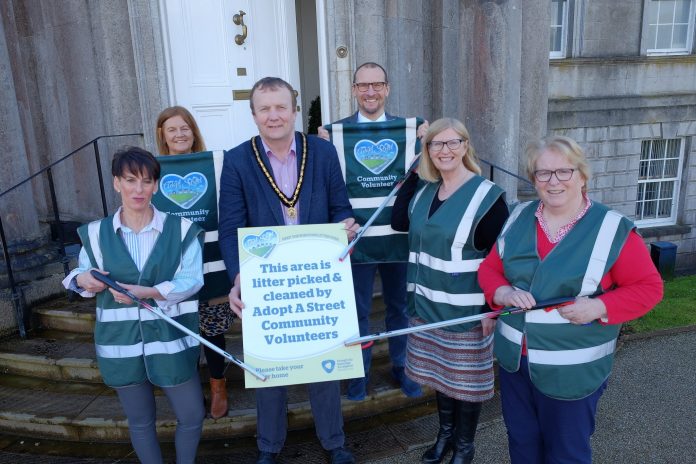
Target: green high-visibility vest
{"points": [[443, 261], [373, 156], [132, 343], [566, 361]]}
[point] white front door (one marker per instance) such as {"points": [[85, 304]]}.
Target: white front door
{"points": [[214, 58]]}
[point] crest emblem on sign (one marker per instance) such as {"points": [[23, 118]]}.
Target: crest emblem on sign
{"points": [[261, 245], [376, 156], [328, 365], [184, 191]]}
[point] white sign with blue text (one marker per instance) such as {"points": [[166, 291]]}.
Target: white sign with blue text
{"points": [[299, 305]]}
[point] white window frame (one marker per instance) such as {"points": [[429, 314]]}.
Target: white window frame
{"points": [[559, 54], [647, 47], [676, 189]]}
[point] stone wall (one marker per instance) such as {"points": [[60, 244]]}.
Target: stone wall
{"points": [[610, 106], [452, 58], [609, 28], [73, 72]]}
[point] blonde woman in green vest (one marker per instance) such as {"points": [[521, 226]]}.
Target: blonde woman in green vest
{"points": [[157, 257], [554, 364], [452, 220], [177, 133]]}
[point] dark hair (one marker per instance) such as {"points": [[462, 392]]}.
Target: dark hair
{"points": [[371, 64], [167, 113], [272, 83], [136, 161]]}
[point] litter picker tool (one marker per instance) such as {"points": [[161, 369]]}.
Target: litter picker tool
{"points": [[397, 185], [554, 303], [112, 284]]}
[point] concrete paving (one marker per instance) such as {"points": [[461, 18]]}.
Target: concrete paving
{"points": [[647, 415]]}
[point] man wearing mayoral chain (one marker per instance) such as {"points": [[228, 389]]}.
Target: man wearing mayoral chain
{"points": [[282, 177]]}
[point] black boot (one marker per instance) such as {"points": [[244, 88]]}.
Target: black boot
{"points": [[466, 418], [443, 444]]}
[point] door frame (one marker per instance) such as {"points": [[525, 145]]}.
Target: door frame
{"points": [[168, 67]]}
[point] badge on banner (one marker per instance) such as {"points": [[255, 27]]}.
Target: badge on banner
{"points": [[299, 305]]}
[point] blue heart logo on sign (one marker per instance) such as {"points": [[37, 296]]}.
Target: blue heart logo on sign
{"points": [[261, 245], [184, 191], [376, 156], [328, 365]]}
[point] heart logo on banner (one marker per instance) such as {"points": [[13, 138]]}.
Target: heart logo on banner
{"points": [[184, 191], [328, 365], [376, 157], [261, 245]]}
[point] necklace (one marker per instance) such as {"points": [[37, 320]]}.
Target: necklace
{"points": [[292, 201], [454, 186]]}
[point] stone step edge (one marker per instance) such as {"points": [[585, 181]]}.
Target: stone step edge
{"points": [[69, 369], [84, 369], [240, 424]]}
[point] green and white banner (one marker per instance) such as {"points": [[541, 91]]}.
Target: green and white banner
{"points": [[299, 305], [189, 187], [373, 157]]}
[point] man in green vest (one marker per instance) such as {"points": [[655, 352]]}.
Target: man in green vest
{"points": [[371, 89]]}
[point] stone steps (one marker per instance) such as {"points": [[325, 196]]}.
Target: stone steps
{"points": [[51, 387]]}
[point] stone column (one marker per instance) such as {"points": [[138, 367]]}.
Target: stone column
{"points": [[147, 44], [19, 215], [491, 81], [534, 86]]}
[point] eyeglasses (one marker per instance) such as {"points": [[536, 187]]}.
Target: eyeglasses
{"points": [[544, 175], [363, 86], [437, 146]]}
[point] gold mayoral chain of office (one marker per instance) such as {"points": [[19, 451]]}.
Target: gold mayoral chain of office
{"points": [[292, 201]]}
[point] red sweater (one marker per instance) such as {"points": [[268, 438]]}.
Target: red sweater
{"points": [[638, 284]]}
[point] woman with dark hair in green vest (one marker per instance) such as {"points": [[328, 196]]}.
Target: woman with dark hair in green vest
{"points": [[178, 134], [157, 257], [554, 364], [452, 222]]}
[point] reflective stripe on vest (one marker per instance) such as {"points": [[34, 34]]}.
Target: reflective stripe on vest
{"points": [[571, 357], [600, 253], [450, 267], [135, 313], [138, 349], [93, 232], [459, 299], [510, 220]]}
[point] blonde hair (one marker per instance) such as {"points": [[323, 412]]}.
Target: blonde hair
{"points": [[167, 113], [564, 146], [426, 169]]}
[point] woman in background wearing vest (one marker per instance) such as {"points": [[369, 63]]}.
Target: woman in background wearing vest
{"points": [[452, 222], [554, 364], [177, 134], [157, 257]]}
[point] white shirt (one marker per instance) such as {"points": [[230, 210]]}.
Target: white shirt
{"points": [[187, 280], [362, 118]]}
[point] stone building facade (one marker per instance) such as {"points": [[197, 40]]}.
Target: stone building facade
{"points": [[73, 70]]}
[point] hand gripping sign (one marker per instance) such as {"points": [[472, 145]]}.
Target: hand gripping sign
{"points": [[299, 305]]}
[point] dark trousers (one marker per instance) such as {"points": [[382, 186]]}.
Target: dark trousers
{"points": [[272, 420], [543, 430], [393, 276]]}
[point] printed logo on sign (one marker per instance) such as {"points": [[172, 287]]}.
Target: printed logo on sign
{"points": [[184, 191], [261, 245], [376, 156], [328, 365]]}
